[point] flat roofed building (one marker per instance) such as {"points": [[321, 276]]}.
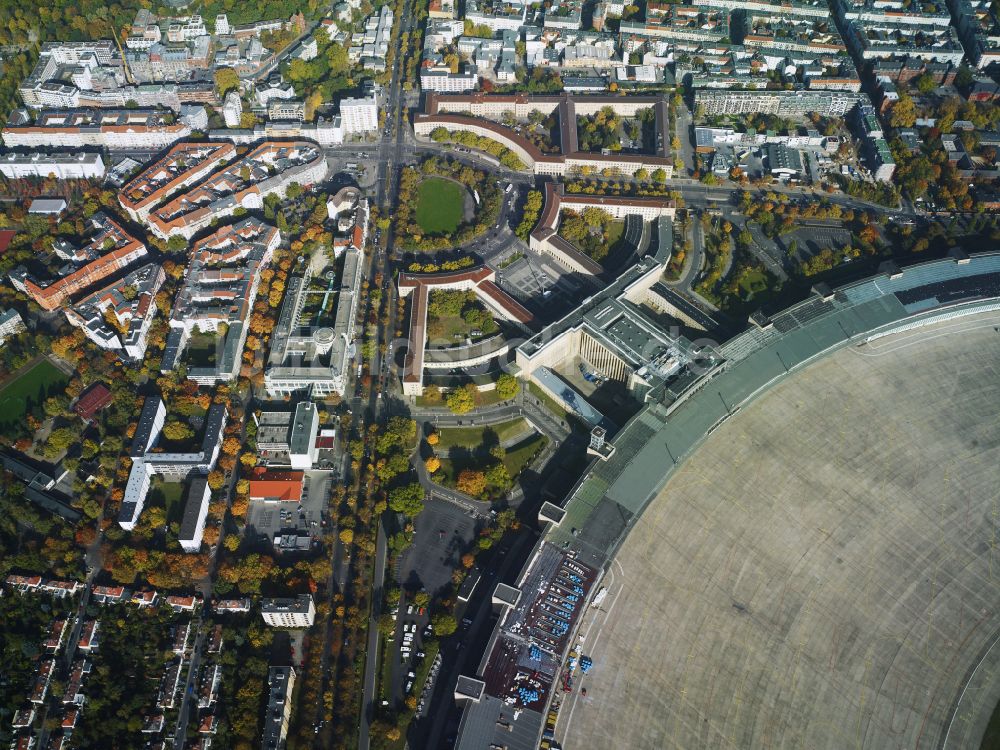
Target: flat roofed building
{"points": [[469, 689], [280, 681], [147, 461], [77, 166], [274, 430], [299, 612], [780, 103], [783, 161], [195, 512], [314, 359], [611, 332], [359, 115], [302, 450]]}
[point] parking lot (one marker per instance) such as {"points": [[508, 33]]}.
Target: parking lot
{"points": [[540, 283], [813, 238], [412, 628], [358, 167], [306, 517], [440, 536]]}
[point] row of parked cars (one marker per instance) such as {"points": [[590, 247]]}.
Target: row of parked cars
{"points": [[409, 635]]}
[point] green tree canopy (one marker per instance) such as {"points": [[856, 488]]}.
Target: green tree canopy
{"points": [[408, 499], [444, 625], [507, 386], [226, 80]]}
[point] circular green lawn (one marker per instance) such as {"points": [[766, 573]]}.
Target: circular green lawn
{"points": [[440, 206]]}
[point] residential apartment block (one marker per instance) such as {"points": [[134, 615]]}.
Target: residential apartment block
{"points": [[219, 289], [978, 24], [299, 612], [195, 512], [375, 41], [185, 164], [118, 317], [128, 129], [268, 169], [109, 249], [280, 681], [359, 115], [147, 461], [781, 103], [75, 166], [11, 324], [497, 14]]}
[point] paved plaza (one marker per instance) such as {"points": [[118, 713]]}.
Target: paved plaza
{"points": [[819, 574]]}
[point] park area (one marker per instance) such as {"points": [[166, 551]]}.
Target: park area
{"points": [[594, 232], [463, 437], [457, 314], [28, 391], [440, 205], [484, 461]]}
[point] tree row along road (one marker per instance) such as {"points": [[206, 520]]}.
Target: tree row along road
{"points": [[390, 153], [359, 568]]}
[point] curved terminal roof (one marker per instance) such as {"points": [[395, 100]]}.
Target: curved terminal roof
{"points": [[954, 388], [821, 571]]}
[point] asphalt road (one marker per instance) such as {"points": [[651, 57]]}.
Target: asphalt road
{"points": [[368, 694], [390, 156], [180, 735]]}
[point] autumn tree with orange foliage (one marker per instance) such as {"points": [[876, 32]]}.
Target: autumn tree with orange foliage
{"points": [[471, 482], [240, 506]]}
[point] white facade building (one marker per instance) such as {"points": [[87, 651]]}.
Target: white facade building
{"points": [[79, 166], [146, 463], [302, 450], [232, 110], [446, 82], [11, 324], [289, 613], [359, 115]]}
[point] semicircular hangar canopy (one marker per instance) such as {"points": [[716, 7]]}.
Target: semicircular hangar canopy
{"points": [[821, 572]]}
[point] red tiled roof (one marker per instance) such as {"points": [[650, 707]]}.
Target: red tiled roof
{"points": [[6, 237], [92, 400], [283, 485], [476, 275]]}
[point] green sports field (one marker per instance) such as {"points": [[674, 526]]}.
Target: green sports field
{"points": [[29, 390], [439, 206]]}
